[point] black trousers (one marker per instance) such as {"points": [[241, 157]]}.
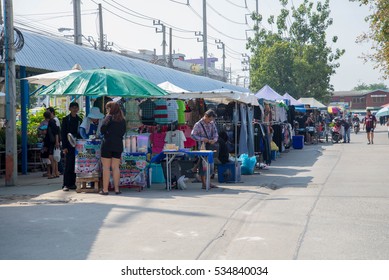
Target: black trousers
{"points": [[69, 177]]}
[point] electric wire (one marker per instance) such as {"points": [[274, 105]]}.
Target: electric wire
{"points": [[221, 15], [211, 26], [232, 3]]}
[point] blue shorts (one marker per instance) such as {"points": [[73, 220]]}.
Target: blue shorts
{"points": [[369, 129]]}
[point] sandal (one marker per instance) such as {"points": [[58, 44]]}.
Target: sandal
{"points": [[119, 192], [103, 193], [51, 177], [211, 186]]}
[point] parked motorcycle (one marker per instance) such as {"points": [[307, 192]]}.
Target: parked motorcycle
{"points": [[336, 135], [357, 127]]}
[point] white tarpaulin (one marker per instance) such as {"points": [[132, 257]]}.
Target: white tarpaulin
{"points": [[292, 100], [48, 78], [217, 95], [268, 93], [171, 88], [312, 102]]}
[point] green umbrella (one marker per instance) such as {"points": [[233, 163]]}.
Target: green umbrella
{"points": [[104, 82]]}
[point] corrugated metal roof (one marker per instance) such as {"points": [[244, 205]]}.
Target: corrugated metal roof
{"points": [[54, 54]]}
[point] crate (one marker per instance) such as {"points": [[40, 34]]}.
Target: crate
{"points": [[228, 172], [81, 183]]}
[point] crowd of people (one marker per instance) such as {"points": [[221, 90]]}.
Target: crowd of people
{"points": [[111, 128], [309, 124]]}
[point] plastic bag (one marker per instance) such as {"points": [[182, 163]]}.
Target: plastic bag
{"points": [[248, 164], [57, 154], [181, 182]]}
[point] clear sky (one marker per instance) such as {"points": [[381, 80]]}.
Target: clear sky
{"points": [[129, 25]]}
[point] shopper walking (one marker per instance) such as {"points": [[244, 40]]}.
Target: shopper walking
{"points": [[70, 124], [113, 130], [51, 142], [370, 123]]}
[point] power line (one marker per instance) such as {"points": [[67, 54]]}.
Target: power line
{"points": [[136, 23], [221, 33], [143, 16], [245, 7], [221, 15], [56, 17]]}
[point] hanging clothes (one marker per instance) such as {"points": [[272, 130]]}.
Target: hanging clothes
{"points": [[147, 112], [250, 131], [133, 119], [243, 149], [181, 111], [160, 112], [172, 114]]}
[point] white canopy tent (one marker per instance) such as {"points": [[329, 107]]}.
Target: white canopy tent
{"points": [[172, 88], [312, 102], [217, 95], [292, 100]]}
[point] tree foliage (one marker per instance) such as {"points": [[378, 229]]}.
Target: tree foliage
{"points": [[379, 33], [295, 58], [371, 87]]}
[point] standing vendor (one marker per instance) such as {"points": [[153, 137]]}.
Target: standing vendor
{"points": [[205, 131], [91, 124]]}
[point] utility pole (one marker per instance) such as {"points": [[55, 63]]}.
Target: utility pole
{"points": [[205, 47], [158, 22], [11, 159], [171, 47], [220, 45], [77, 22], [101, 39], [164, 44]]}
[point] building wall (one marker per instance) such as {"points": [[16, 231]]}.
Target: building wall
{"points": [[377, 98], [374, 99]]}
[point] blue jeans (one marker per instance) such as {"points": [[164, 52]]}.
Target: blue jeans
{"points": [[347, 135]]}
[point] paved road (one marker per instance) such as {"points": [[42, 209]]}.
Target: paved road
{"points": [[323, 202]]}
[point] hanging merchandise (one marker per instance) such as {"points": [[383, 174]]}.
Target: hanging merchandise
{"points": [[172, 114], [133, 119], [147, 112], [243, 149], [181, 111], [158, 141], [250, 131], [160, 112], [176, 137]]}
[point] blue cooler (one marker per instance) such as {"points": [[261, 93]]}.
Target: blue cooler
{"points": [[298, 141], [228, 173], [157, 176]]}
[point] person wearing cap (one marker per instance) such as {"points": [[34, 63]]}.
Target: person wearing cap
{"points": [[205, 131], [91, 124]]}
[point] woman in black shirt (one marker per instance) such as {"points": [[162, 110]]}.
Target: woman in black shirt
{"points": [[113, 130]]}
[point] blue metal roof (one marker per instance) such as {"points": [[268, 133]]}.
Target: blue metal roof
{"points": [[42, 52]]}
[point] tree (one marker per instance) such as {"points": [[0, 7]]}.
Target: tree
{"points": [[295, 58], [379, 33], [371, 87]]}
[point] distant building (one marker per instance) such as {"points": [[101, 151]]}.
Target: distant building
{"points": [[193, 66], [361, 100]]}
